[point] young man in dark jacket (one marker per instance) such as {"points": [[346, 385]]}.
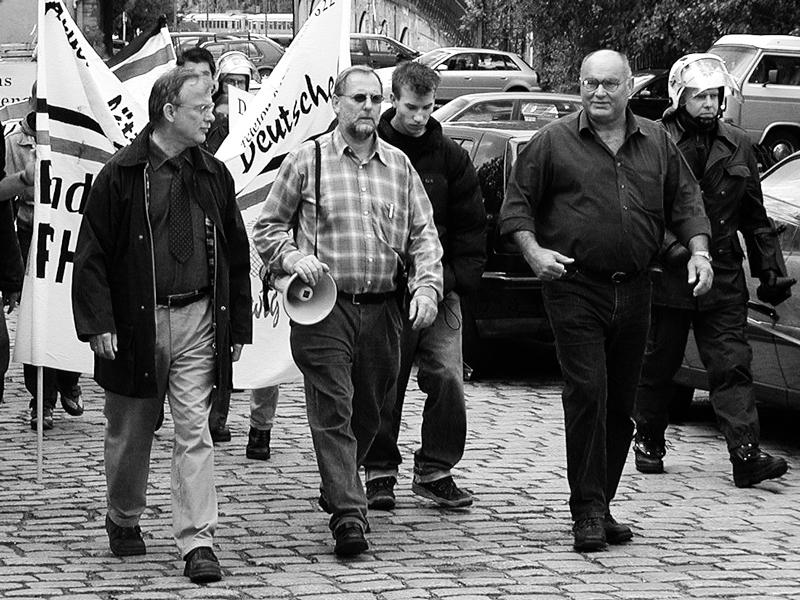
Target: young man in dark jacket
{"points": [[722, 159], [161, 292], [451, 183]]}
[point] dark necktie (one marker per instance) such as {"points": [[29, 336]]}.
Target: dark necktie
{"points": [[181, 238]]}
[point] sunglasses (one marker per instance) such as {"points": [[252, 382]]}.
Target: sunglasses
{"points": [[362, 98]]}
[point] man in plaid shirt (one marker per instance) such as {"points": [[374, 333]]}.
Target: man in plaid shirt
{"points": [[367, 223]]}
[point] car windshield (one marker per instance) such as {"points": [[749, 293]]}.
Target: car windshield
{"points": [[736, 58], [431, 57]]}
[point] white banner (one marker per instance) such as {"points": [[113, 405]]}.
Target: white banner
{"points": [[275, 123], [84, 115]]}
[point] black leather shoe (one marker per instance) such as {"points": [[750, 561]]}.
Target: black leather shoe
{"points": [[258, 444], [649, 451], [125, 541], [350, 539], [380, 493], [616, 533], [752, 466], [223, 434], [202, 566], [590, 534], [73, 405]]}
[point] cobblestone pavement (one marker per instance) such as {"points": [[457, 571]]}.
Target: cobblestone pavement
{"points": [[696, 535]]}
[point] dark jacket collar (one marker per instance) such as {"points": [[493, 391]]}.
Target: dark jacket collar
{"points": [[433, 128], [138, 151]]}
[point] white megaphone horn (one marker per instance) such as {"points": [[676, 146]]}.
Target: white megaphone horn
{"points": [[306, 304]]}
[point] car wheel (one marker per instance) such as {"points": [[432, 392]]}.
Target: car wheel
{"points": [[680, 403], [782, 143]]}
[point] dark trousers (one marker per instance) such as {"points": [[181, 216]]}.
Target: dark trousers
{"points": [[600, 331], [349, 362], [726, 355], [437, 350]]}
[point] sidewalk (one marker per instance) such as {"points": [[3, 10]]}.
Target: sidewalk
{"points": [[697, 536]]}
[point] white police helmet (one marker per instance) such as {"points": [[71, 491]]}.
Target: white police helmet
{"points": [[234, 62], [700, 72]]}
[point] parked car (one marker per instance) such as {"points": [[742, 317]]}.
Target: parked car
{"points": [[649, 97], [767, 69], [472, 70], [508, 303], [531, 110], [263, 52], [182, 40], [773, 332], [378, 51]]}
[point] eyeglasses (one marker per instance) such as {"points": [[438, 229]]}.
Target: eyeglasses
{"points": [[201, 108], [361, 98], [610, 85]]}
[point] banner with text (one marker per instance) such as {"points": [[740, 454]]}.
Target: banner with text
{"points": [[80, 125]]}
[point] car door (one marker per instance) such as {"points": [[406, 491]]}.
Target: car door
{"points": [[458, 76]]}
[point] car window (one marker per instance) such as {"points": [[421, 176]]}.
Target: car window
{"points": [[466, 143], [355, 45], [462, 62], [538, 111], [216, 50], [496, 62], [736, 58], [488, 111], [656, 89], [786, 70]]}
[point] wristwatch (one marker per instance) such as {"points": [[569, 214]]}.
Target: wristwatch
{"points": [[702, 253]]}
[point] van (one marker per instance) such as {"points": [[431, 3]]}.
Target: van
{"points": [[767, 69]]}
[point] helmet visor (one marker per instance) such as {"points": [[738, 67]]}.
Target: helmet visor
{"points": [[706, 74]]}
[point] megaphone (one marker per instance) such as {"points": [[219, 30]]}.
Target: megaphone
{"points": [[307, 304]]}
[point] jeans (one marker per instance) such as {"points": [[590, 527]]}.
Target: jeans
{"points": [[726, 355], [185, 366], [263, 406], [600, 333], [349, 362], [437, 350]]}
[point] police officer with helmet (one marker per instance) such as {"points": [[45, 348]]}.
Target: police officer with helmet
{"points": [[723, 161]]}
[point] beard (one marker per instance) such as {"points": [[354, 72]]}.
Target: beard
{"points": [[361, 130]]}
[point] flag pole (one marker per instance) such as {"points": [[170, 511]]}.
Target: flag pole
{"points": [[39, 421]]}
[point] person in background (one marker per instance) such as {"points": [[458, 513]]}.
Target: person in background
{"points": [[11, 266], [20, 148], [452, 185], [587, 203], [161, 292], [722, 159], [365, 220]]}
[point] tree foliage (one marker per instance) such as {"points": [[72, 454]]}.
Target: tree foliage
{"points": [[558, 33]]}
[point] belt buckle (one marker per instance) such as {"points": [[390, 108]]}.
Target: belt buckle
{"points": [[619, 277]]}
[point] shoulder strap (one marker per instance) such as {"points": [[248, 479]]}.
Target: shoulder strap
{"points": [[317, 176]]}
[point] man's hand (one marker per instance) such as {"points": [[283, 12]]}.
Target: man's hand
{"points": [[422, 311], [236, 352], [701, 275], [310, 269], [546, 264], [104, 345], [11, 301]]}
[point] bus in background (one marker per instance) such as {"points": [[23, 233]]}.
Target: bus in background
{"points": [[280, 27]]}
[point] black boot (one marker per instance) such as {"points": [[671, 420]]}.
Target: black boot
{"points": [[649, 450], [752, 466]]}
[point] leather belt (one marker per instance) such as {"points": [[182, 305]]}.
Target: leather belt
{"points": [[181, 300], [367, 298], [610, 276]]}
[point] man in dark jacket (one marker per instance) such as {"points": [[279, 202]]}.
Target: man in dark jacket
{"points": [[723, 162], [161, 292], [452, 186], [11, 270]]}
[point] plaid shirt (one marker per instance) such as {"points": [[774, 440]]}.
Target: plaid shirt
{"points": [[372, 215]]}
